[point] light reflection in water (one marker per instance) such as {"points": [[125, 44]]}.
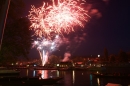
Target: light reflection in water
{"points": [[44, 74], [70, 78], [73, 76], [34, 73], [98, 81], [27, 72], [91, 78], [58, 73]]}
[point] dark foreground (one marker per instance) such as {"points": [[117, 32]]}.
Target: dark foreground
{"points": [[26, 81], [29, 77]]}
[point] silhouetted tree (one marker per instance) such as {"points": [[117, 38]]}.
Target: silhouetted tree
{"points": [[123, 56], [105, 54], [17, 37], [112, 58], [53, 59], [128, 54]]}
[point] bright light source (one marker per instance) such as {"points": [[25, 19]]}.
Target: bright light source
{"points": [[58, 64], [34, 65]]}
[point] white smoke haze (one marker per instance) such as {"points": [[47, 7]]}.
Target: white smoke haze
{"points": [[94, 7], [67, 56], [73, 43], [106, 1], [96, 13]]}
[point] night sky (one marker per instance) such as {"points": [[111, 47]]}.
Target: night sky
{"points": [[107, 28]]}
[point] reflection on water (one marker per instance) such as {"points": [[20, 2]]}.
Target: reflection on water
{"points": [[98, 82], [91, 78], [73, 78], [44, 74], [58, 74], [27, 72], [34, 73]]}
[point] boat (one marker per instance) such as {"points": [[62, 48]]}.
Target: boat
{"points": [[93, 68], [110, 75], [113, 84], [26, 81], [5, 71], [64, 68], [21, 67], [44, 68]]}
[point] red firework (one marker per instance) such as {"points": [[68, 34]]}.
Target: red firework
{"points": [[58, 18]]}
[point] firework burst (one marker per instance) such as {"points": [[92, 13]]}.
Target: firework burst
{"points": [[45, 46], [60, 17]]}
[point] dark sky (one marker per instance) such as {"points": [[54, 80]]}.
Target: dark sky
{"points": [[108, 30]]}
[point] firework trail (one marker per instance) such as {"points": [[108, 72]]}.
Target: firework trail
{"points": [[60, 17]]}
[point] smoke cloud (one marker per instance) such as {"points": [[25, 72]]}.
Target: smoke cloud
{"points": [[67, 56]]}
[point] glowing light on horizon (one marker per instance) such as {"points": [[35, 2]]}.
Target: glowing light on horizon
{"points": [[60, 17]]}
